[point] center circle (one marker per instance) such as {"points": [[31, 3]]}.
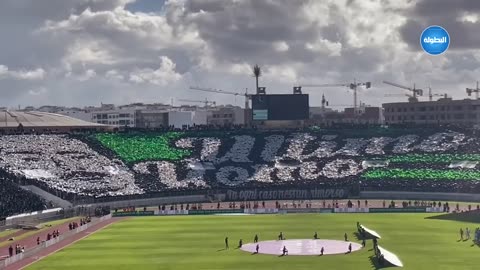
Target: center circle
{"points": [[298, 247]]}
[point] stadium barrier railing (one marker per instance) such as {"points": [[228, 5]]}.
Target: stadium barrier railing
{"points": [[261, 211], [149, 201], [37, 215], [170, 212], [351, 210], [278, 211], [133, 213], [31, 252], [305, 210], [424, 196], [398, 210], [216, 211], [435, 210]]}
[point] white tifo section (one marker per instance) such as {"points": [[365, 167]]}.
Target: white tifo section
{"points": [[390, 257], [302, 247]]}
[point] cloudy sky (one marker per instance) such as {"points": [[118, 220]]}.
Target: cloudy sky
{"points": [[83, 52]]}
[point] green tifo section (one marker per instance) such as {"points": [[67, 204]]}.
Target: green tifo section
{"points": [[433, 158], [197, 242], [135, 148], [421, 174]]}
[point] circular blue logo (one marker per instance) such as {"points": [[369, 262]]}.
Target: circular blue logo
{"points": [[435, 40]]}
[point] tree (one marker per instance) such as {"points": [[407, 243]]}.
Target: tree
{"points": [[257, 72]]}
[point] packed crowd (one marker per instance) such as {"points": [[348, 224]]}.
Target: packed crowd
{"points": [[210, 160], [61, 164], [15, 200]]}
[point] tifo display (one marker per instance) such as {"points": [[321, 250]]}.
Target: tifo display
{"points": [[336, 163]]}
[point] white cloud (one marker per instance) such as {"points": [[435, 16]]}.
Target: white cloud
{"points": [[287, 74], [3, 70], [22, 74], [114, 75], [88, 51], [38, 91], [83, 76], [280, 46], [470, 17], [241, 69], [162, 76], [325, 46]]}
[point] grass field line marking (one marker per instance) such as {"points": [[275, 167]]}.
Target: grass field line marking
{"points": [[67, 245]]}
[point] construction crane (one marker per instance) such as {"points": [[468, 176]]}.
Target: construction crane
{"points": [[352, 86], [324, 102], [411, 97], [206, 102], [247, 96], [431, 95], [397, 95], [220, 91], [471, 90]]}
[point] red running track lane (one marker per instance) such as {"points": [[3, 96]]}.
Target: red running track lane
{"points": [[31, 241], [58, 246]]}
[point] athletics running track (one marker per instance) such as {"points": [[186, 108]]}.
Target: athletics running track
{"points": [[58, 246]]}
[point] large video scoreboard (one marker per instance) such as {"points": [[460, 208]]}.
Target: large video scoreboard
{"points": [[280, 107]]}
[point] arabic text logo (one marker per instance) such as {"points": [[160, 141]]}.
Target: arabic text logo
{"points": [[435, 40]]}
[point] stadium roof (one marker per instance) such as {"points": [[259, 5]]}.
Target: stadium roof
{"points": [[12, 119]]}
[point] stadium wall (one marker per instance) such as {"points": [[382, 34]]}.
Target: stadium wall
{"points": [[151, 201], [400, 195], [255, 211], [224, 197], [26, 218]]}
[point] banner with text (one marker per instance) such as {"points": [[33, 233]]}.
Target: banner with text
{"points": [[215, 211], [261, 211], [172, 212], [398, 210], [351, 210], [133, 213], [306, 210], [435, 209], [286, 194]]}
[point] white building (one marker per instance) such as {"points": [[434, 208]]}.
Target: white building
{"points": [[443, 111], [153, 115], [180, 119], [116, 117], [84, 115], [227, 115]]}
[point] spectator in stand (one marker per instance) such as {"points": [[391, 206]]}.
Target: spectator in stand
{"points": [[9, 198]]}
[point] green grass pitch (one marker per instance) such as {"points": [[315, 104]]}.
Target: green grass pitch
{"points": [[192, 242]]}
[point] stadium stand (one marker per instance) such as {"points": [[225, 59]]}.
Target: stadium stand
{"points": [[14, 200], [139, 165]]}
